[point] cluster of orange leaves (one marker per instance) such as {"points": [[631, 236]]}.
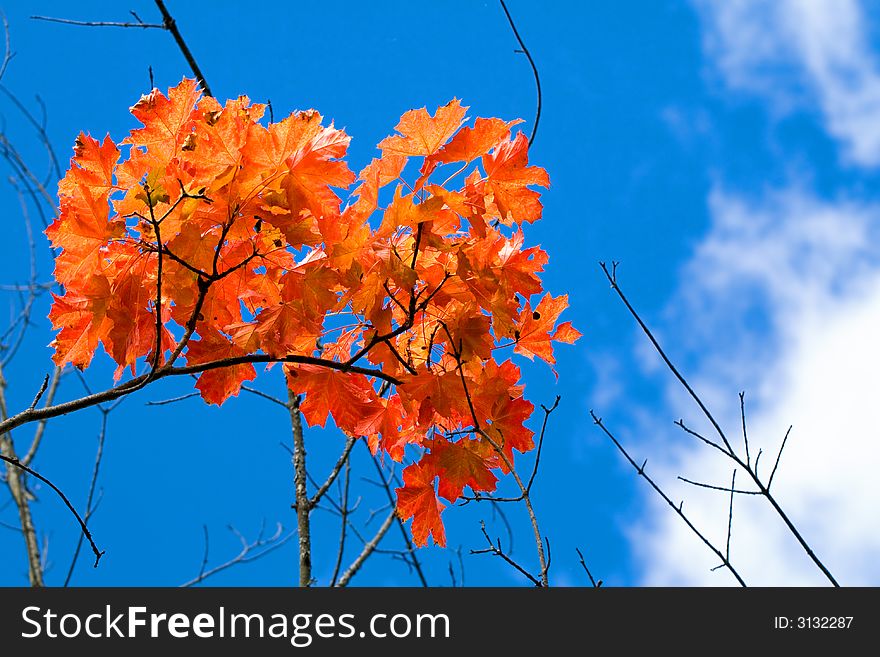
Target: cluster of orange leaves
{"points": [[232, 232]]}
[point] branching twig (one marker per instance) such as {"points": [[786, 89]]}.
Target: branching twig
{"points": [[727, 449], [417, 566], [368, 549], [250, 551], [496, 550], [596, 583], [640, 469]]}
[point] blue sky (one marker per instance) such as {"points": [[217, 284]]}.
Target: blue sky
{"points": [[725, 153]]}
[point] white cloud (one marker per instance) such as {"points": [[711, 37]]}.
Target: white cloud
{"points": [[793, 52], [781, 299]]}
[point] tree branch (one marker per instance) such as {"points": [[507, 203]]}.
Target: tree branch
{"points": [[525, 51]]}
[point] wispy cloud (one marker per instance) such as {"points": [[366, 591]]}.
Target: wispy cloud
{"points": [[802, 54], [781, 299]]}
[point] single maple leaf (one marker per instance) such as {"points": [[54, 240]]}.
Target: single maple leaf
{"points": [[168, 121], [535, 329], [348, 396], [508, 176], [219, 384], [461, 464], [417, 500], [422, 134], [470, 143]]}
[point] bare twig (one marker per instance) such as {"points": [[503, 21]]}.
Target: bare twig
{"points": [[368, 549], [343, 503], [742, 412], [342, 460], [497, 551], [99, 455], [169, 24], [68, 21], [41, 426], [85, 530], [547, 412], [416, 564], [250, 551], [640, 469], [727, 450], [596, 583], [525, 51], [778, 456], [723, 489]]}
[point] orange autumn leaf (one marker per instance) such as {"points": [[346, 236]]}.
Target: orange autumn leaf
{"points": [[417, 500], [535, 332], [422, 135], [508, 177], [213, 236]]}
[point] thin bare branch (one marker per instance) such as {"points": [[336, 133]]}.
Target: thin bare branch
{"points": [[341, 461], [723, 489], [368, 549], [778, 456], [728, 450], [250, 551], [99, 455], [678, 509], [525, 51], [169, 24], [497, 551], [41, 426], [596, 583], [742, 412], [68, 21], [85, 530], [416, 564], [343, 503]]}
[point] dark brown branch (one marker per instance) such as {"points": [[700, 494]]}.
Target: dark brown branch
{"points": [[596, 584], [525, 51], [778, 456], [169, 24], [334, 473], [343, 503], [414, 560], [85, 530], [723, 489], [92, 484], [41, 427], [32, 415], [640, 469], [496, 550], [728, 450], [742, 412]]}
